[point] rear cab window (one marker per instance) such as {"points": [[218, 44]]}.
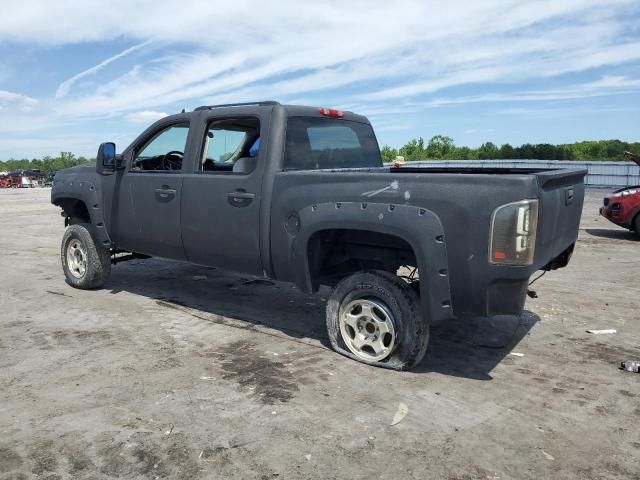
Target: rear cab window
{"points": [[327, 143]]}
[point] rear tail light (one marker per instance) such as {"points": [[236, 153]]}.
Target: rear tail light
{"points": [[331, 112], [513, 233]]}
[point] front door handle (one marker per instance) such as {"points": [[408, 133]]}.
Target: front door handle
{"points": [[240, 198], [165, 192]]}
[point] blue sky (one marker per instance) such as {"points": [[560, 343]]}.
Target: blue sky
{"points": [[74, 73]]}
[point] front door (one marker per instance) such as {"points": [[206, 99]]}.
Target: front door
{"points": [[221, 198], [149, 194]]}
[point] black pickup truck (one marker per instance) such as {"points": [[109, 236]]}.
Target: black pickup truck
{"points": [[300, 194]]}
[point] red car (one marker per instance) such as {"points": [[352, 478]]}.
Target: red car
{"points": [[622, 207]]}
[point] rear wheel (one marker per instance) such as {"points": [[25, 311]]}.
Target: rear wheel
{"points": [[636, 224], [85, 263], [375, 317]]}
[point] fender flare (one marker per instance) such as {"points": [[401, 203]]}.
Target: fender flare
{"points": [[419, 227], [86, 192]]}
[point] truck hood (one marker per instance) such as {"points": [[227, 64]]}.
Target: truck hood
{"points": [[84, 168], [623, 192]]}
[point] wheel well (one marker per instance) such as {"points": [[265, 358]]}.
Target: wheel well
{"points": [[636, 218], [336, 253], [74, 208]]}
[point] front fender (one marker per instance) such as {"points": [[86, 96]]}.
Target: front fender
{"points": [[421, 228], [84, 191]]}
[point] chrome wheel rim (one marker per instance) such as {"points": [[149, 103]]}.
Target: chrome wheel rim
{"points": [[367, 329], [76, 258]]}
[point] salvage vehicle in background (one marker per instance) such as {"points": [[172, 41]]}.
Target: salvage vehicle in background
{"points": [[5, 180], [16, 180], [22, 179], [622, 207], [300, 194]]}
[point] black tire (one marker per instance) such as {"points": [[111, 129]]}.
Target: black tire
{"points": [[98, 259], [636, 224], [411, 329]]}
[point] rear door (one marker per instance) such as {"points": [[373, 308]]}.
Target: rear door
{"points": [[150, 191], [221, 196]]}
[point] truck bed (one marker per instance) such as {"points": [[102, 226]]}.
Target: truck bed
{"points": [[464, 200]]}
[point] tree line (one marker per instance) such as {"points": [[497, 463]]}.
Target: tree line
{"points": [[45, 164], [441, 147]]}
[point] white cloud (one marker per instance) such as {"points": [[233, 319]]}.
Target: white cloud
{"points": [[144, 117], [419, 48], [64, 87], [606, 86], [12, 100], [376, 57], [6, 96]]}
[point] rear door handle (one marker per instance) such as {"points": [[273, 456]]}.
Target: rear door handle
{"points": [[240, 198]]}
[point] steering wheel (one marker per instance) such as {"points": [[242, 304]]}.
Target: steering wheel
{"points": [[168, 164]]}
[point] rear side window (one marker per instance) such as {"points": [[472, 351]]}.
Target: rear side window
{"points": [[325, 143], [231, 145]]}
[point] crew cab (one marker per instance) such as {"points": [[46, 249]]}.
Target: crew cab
{"points": [[622, 207], [301, 194]]}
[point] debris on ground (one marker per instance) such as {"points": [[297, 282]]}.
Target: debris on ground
{"points": [[516, 354], [59, 293], [630, 366], [601, 332], [400, 414], [547, 456]]}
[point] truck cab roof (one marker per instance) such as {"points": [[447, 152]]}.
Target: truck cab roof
{"points": [[291, 110]]}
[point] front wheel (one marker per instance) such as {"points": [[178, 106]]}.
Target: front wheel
{"points": [[375, 317], [636, 224], [86, 265]]}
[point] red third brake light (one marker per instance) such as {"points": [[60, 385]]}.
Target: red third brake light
{"points": [[331, 112]]}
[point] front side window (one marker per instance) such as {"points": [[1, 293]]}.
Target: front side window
{"points": [[324, 143], [165, 150], [231, 145]]}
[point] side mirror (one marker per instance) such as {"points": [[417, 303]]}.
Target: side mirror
{"points": [[106, 159]]}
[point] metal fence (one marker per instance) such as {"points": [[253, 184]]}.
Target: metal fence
{"points": [[601, 173]]}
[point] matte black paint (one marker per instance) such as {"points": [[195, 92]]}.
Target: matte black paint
{"points": [[243, 222]]}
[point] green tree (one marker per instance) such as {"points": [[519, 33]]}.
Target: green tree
{"points": [[487, 151], [413, 150], [507, 152], [440, 146], [45, 164], [388, 154]]}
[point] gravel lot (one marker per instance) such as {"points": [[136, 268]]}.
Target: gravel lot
{"points": [[176, 371]]}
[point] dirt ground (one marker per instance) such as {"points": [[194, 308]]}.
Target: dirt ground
{"points": [[176, 371]]}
